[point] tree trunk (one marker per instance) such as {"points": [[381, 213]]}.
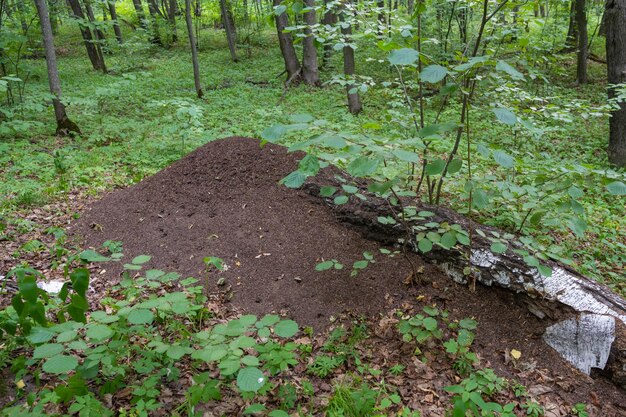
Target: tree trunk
{"points": [[330, 18], [292, 64], [64, 124], [229, 28], [616, 74], [584, 319], [310, 72], [116, 25], [97, 32], [141, 16], [194, 49], [97, 61], [354, 101], [581, 24], [171, 17], [22, 14], [571, 39]]}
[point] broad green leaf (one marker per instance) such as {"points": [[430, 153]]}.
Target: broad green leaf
{"points": [[334, 141], [254, 409], [425, 245], [93, 256], [250, 379], [480, 199], [140, 316], [341, 199], [270, 319], [505, 67], [363, 166], [286, 328], [577, 225], [141, 259], [505, 116], [327, 191], [406, 156], [210, 354], [617, 188], [544, 270], [60, 364], [301, 118], [278, 10], [504, 159], [99, 332], [360, 265], [448, 240], [273, 133], [498, 247], [323, 266], [176, 352], [403, 56], [40, 335], [433, 73], [294, 180], [309, 165], [48, 350], [435, 167], [430, 324], [455, 166]]}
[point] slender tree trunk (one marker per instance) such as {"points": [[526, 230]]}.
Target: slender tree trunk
{"points": [[116, 25], [354, 101], [572, 30], [615, 13], [462, 20], [229, 27], [292, 64], [310, 72], [141, 16], [194, 49], [171, 17], [581, 23], [97, 32], [382, 21], [96, 59], [64, 124], [330, 18]]}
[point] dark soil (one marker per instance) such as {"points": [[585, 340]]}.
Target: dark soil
{"points": [[224, 200]]}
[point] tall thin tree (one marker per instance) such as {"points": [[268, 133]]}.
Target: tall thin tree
{"points": [[194, 49], [310, 71], [354, 100], [96, 58], [64, 124], [615, 13], [581, 24], [229, 27], [292, 64], [115, 21]]}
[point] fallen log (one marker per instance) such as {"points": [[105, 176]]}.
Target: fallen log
{"points": [[585, 320]]}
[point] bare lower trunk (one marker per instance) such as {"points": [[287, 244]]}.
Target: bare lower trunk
{"points": [[310, 72], [292, 64], [616, 71], [581, 24], [116, 25], [572, 31], [194, 49], [171, 17], [64, 124], [354, 101], [141, 16], [97, 60], [97, 33], [229, 28], [329, 19]]}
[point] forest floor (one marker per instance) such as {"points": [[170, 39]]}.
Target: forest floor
{"points": [[224, 200]]}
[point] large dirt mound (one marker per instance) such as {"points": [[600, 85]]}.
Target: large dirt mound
{"points": [[224, 200]]}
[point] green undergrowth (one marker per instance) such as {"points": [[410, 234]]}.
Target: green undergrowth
{"points": [[152, 342], [143, 116]]}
